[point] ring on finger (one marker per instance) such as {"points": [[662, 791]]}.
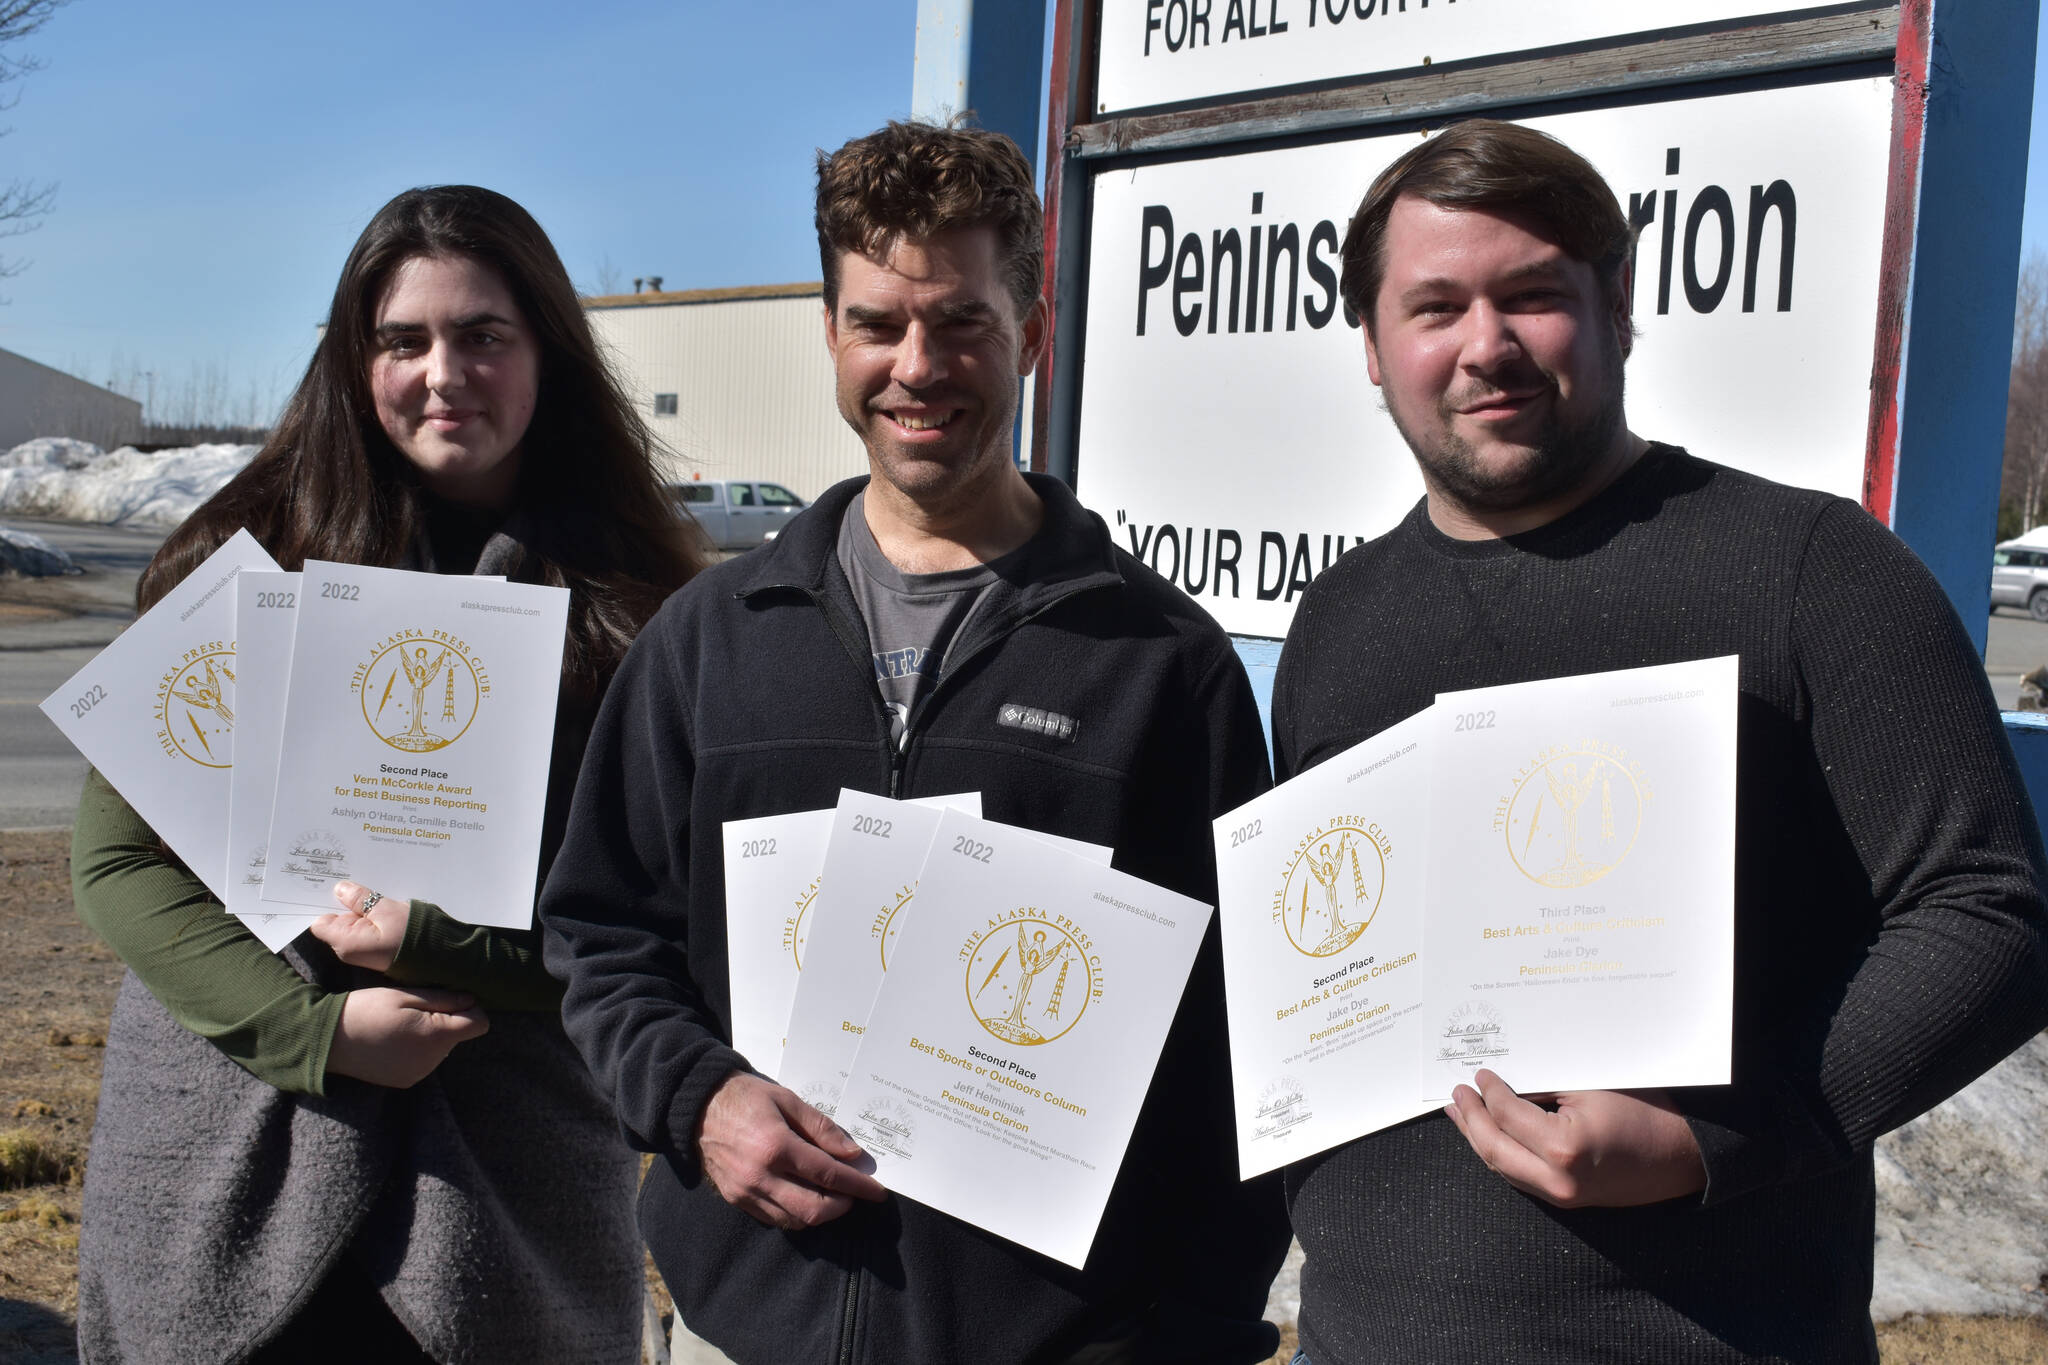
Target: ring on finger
{"points": [[369, 902]]}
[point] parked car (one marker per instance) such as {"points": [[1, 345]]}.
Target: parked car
{"points": [[737, 514], [2019, 578]]}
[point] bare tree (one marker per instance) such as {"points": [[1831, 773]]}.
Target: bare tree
{"points": [[607, 278], [2023, 493], [23, 203]]}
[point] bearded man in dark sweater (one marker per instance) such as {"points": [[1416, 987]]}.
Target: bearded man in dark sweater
{"points": [[1890, 936]]}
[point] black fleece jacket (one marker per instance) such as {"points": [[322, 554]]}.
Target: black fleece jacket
{"points": [[752, 693]]}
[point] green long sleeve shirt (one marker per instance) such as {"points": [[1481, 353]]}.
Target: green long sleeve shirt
{"points": [[218, 980]]}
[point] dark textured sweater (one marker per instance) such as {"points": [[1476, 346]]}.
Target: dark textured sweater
{"points": [[1890, 938]]}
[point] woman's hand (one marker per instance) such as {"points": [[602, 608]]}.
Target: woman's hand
{"points": [[394, 1036], [370, 930]]}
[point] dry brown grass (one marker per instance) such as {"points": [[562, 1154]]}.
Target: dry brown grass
{"points": [[1940, 1340], [57, 985], [41, 1212], [27, 1159]]}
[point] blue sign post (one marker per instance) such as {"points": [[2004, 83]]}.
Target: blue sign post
{"points": [[1965, 81], [981, 59]]}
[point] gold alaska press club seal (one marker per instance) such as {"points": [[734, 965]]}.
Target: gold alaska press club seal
{"points": [[889, 921], [1031, 975], [1333, 885], [796, 927], [1574, 813], [420, 690], [195, 715]]}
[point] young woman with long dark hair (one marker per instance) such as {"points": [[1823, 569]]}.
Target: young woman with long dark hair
{"points": [[380, 1139]]}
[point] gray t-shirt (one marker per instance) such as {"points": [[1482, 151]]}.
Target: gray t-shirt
{"points": [[911, 617]]}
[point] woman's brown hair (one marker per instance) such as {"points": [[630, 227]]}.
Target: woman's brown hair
{"points": [[329, 484]]}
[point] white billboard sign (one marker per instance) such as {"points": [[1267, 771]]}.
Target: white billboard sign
{"points": [[1168, 51], [1228, 432]]}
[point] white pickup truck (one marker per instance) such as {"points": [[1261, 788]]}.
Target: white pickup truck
{"points": [[737, 514]]}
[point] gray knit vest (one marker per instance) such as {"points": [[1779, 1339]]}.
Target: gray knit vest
{"points": [[492, 1203]]}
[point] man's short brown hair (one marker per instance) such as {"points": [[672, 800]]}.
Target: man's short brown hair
{"points": [[920, 180], [1489, 165]]}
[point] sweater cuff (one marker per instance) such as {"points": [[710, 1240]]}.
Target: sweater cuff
{"points": [[686, 1107], [502, 968], [1733, 1139], [429, 932], [322, 1019]]}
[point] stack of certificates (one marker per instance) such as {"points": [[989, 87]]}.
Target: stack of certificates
{"points": [[982, 1007], [283, 731], [1537, 879]]}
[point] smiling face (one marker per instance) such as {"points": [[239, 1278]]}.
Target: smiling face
{"points": [[1500, 360], [927, 347], [455, 374]]}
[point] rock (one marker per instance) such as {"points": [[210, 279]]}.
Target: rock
{"points": [[32, 556], [1283, 1300], [1962, 1200]]}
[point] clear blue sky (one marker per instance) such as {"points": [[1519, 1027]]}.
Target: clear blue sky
{"points": [[216, 159]]}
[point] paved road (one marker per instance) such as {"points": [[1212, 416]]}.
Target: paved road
{"points": [[49, 629], [2018, 644]]}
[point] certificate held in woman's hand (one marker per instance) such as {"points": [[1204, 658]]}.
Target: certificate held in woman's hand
{"points": [[418, 727]]}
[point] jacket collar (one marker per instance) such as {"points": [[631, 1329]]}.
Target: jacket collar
{"points": [[505, 548], [1072, 550]]}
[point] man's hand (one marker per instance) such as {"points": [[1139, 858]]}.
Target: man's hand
{"points": [[389, 1035], [369, 931], [779, 1159], [1600, 1149]]}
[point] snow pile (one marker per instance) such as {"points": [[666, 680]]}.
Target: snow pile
{"points": [[32, 556], [51, 452], [1962, 1200], [74, 481]]}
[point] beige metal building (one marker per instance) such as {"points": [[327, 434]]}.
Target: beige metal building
{"points": [[36, 400], [736, 382]]}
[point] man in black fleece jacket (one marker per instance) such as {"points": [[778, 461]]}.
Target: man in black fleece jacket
{"points": [[1889, 919], [946, 625]]}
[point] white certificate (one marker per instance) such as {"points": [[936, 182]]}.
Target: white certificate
{"points": [[771, 881], [848, 930], [1016, 1033], [266, 612], [1582, 880], [774, 867], [418, 724], [1322, 892], [155, 710]]}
